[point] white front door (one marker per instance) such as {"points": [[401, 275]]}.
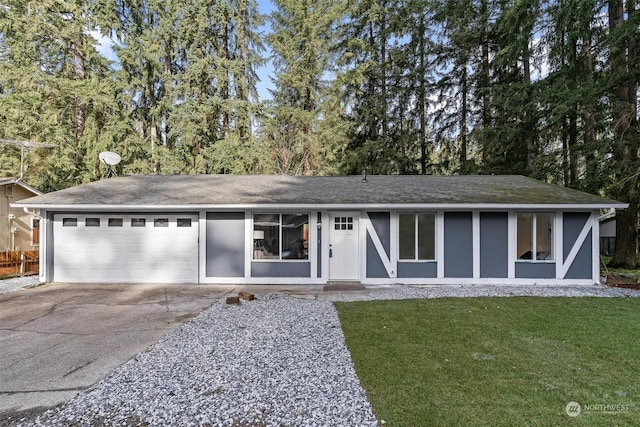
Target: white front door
{"points": [[344, 247]]}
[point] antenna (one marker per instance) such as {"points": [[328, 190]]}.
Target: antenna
{"points": [[110, 159], [24, 145]]}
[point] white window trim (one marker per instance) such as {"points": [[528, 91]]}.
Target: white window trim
{"points": [[280, 259], [415, 237], [534, 239]]}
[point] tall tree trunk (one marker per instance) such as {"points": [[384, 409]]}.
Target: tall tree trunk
{"points": [[625, 153], [463, 118], [422, 98], [485, 79], [79, 113]]}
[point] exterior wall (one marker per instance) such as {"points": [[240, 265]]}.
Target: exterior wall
{"points": [[225, 244], [458, 244], [21, 239], [573, 223], [281, 269], [381, 222], [494, 244], [471, 247]]}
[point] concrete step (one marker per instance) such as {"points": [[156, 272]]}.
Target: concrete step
{"points": [[344, 285]]}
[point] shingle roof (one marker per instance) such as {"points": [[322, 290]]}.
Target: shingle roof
{"points": [[214, 190]]}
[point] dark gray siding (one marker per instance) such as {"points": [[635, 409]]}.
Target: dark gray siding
{"points": [[281, 269], [458, 244], [417, 270], [494, 244], [572, 223], [375, 267], [225, 244], [535, 270], [381, 222]]}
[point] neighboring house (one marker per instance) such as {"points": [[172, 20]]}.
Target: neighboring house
{"points": [[608, 236], [269, 229], [19, 231]]}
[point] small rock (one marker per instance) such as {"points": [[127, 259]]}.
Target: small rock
{"points": [[233, 300]]}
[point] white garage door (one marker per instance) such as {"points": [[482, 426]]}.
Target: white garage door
{"points": [[112, 248]]}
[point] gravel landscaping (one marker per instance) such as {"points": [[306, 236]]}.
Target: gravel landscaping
{"points": [[17, 283], [278, 360]]}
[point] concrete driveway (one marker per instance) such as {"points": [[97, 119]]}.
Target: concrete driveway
{"points": [[59, 339]]}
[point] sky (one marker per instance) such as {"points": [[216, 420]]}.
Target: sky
{"points": [[104, 46]]}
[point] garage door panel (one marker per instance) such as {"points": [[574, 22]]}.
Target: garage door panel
{"points": [[126, 254]]}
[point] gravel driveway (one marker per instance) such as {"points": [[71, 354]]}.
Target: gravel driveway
{"points": [[278, 360]]}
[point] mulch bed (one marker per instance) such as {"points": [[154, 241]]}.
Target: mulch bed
{"points": [[621, 282]]}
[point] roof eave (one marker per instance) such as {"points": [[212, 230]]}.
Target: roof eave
{"points": [[325, 206]]}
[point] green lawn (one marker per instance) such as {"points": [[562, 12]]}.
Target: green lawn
{"points": [[497, 361]]}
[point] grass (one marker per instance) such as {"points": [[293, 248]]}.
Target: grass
{"points": [[604, 270], [497, 361]]}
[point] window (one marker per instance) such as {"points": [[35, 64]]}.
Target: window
{"points": [[69, 222], [35, 231], [417, 236], [138, 222], [343, 223], [184, 222], [115, 222], [534, 236], [281, 236], [161, 222], [92, 222]]}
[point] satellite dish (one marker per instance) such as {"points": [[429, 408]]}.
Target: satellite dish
{"points": [[110, 159]]}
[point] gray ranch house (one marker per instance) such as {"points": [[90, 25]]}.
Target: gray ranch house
{"points": [[271, 229]]}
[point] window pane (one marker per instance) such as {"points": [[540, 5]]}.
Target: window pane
{"points": [[426, 236], [92, 222], [69, 222], [115, 222], [407, 236], [138, 222], [184, 222], [295, 235], [266, 236], [161, 222], [544, 236], [524, 245]]}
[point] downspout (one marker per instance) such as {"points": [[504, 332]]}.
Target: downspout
{"points": [[33, 214]]}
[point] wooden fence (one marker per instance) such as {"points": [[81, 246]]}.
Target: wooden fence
{"points": [[19, 263]]}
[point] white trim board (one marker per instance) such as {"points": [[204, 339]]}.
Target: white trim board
{"points": [[331, 207]]}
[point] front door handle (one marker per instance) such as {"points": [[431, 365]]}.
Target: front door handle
{"points": [[330, 251]]}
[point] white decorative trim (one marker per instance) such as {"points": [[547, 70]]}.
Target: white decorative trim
{"points": [[368, 225], [475, 218], [482, 281], [588, 226], [202, 245], [248, 242], [393, 242], [558, 240], [362, 244], [312, 243], [440, 244], [595, 251], [325, 233], [340, 206]]}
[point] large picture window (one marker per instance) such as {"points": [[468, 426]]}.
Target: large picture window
{"points": [[535, 236], [281, 236], [417, 236]]}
